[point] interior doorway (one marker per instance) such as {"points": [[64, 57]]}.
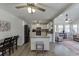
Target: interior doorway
{"points": [[26, 34]]}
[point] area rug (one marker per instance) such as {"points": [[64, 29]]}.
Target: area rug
{"points": [[72, 45]]}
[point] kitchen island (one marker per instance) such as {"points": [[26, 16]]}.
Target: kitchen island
{"points": [[43, 39]]}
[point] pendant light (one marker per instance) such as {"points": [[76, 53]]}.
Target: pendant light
{"points": [[66, 20]]}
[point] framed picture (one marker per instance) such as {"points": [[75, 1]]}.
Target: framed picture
{"points": [[4, 26]]}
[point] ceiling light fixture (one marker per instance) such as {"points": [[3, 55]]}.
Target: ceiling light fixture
{"points": [[66, 20], [31, 10]]}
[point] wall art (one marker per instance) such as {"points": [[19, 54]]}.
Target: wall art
{"points": [[4, 26]]}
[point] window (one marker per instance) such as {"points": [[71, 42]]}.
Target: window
{"points": [[75, 28], [60, 28], [67, 28]]}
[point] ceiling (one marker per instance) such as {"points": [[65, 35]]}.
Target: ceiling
{"points": [[73, 15], [52, 11]]}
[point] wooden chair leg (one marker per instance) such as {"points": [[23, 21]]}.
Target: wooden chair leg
{"points": [[3, 53], [16, 44], [12, 49], [9, 51]]}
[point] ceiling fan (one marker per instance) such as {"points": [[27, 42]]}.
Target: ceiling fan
{"points": [[31, 7]]}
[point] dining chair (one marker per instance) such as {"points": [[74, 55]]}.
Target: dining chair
{"points": [[7, 44], [15, 38], [2, 49]]}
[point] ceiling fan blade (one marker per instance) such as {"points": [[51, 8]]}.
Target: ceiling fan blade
{"points": [[30, 5], [39, 8], [21, 6]]}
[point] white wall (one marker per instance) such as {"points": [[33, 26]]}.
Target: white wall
{"points": [[17, 27]]}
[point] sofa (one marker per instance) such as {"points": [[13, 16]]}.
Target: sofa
{"points": [[76, 37]]}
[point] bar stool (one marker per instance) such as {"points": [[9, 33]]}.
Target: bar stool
{"points": [[39, 46]]}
